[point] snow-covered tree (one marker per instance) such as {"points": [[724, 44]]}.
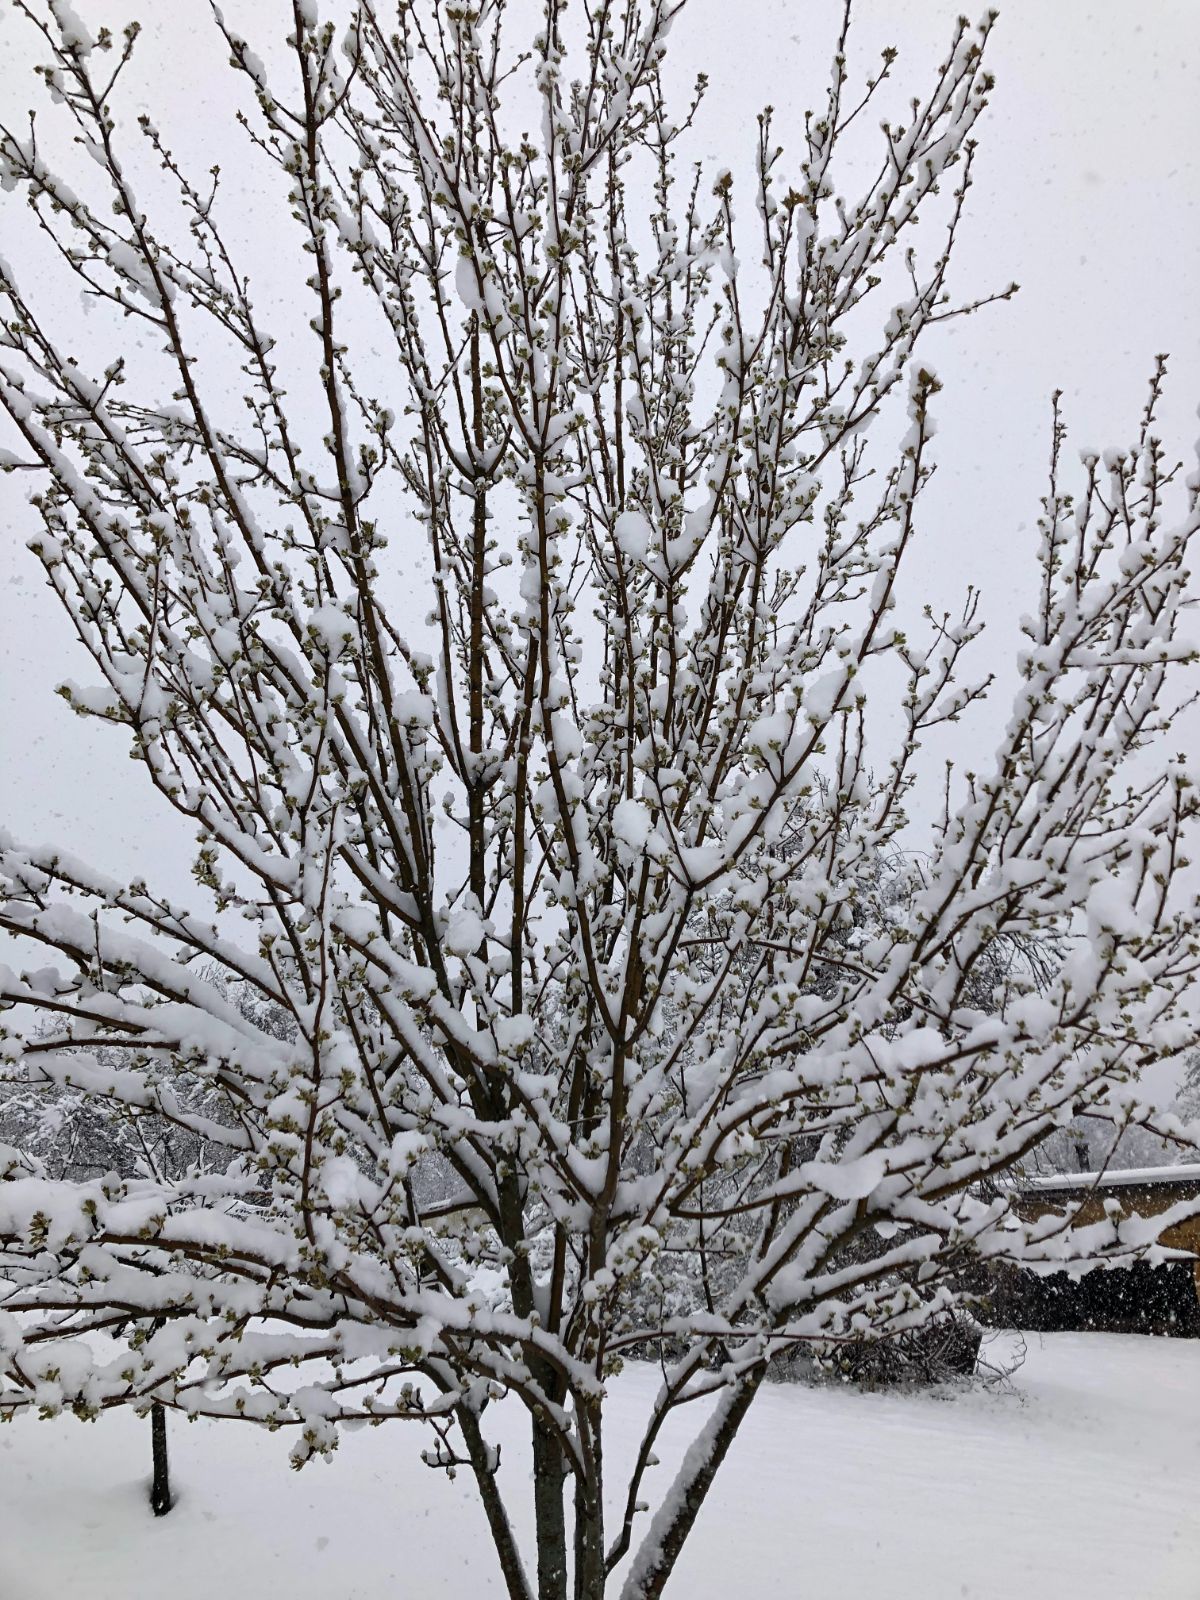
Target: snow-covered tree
{"points": [[1189, 1093], [523, 643], [73, 1133]]}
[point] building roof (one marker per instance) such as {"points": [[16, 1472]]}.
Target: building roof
{"points": [[1126, 1177]]}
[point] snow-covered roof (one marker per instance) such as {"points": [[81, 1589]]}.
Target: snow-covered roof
{"points": [[1188, 1172]]}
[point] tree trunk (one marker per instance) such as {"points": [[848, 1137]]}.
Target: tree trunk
{"points": [[549, 1512], [160, 1484], [589, 1518]]}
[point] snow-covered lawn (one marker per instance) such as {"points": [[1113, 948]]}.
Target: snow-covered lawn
{"points": [[1080, 1483]]}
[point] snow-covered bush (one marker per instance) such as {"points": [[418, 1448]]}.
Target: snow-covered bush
{"points": [[562, 1012]]}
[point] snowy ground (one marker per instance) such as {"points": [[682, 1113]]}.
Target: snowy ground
{"points": [[1080, 1483]]}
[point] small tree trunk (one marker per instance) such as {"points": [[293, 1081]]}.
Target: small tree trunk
{"points": [[160, 1485], [493, 1505], [665, 1539]]}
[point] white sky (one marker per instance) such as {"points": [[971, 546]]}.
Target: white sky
{"points": [[1087, 193]]}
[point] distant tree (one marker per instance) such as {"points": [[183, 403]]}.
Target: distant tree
{"points": [[1095, 1141], [1189, 1092], [560, 888], [75, 1134]]}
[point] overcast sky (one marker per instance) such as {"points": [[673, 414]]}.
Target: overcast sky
{"points": [[1087, 192]]}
